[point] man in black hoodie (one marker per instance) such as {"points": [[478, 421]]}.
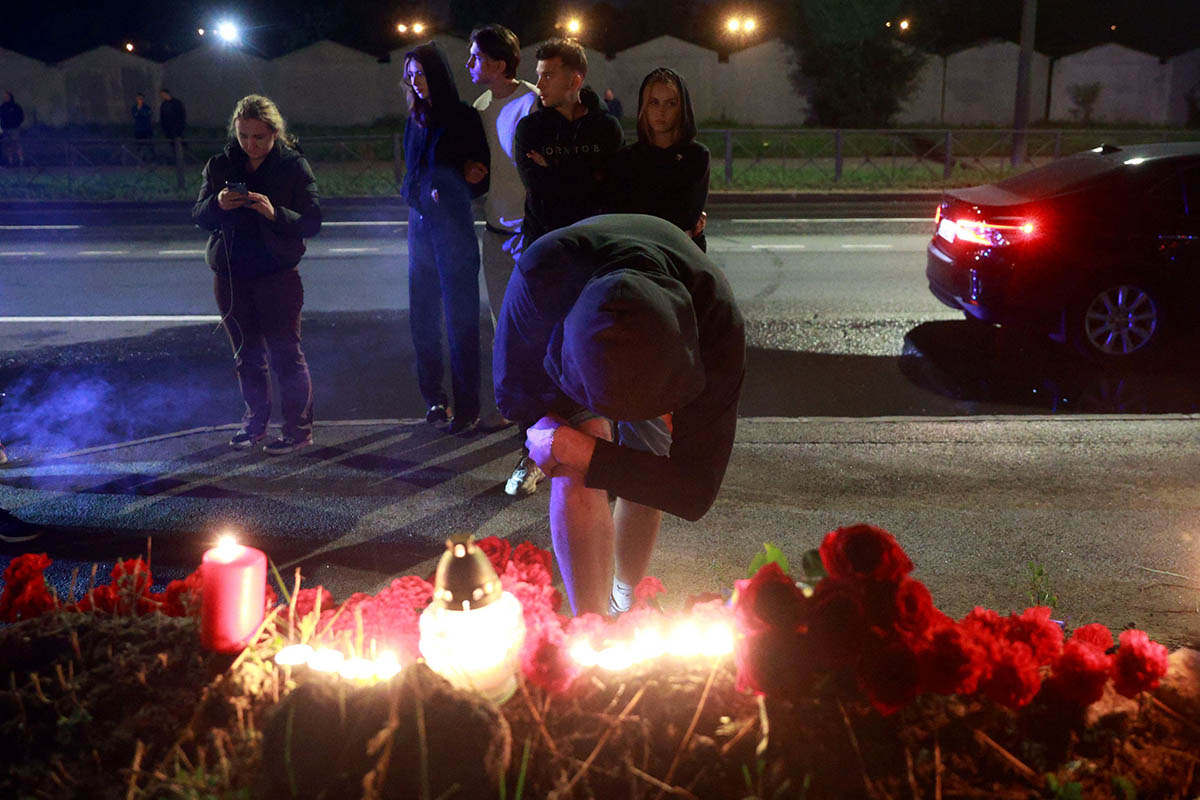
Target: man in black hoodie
{"points": [[620, 321], [563, 147]]}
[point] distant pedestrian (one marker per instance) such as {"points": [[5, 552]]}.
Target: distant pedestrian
{"points": [[172, 116], [665, 172], [614, 105], [11, 117], [143, 126], [259, 202], [447, 161]]}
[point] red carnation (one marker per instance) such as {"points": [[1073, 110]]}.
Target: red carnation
{"points": [[545, 660], [889, 673], [1013, 679], [1139, 663], [1094, 634], [102, 598], [528, 553], [1035, 628], [25, 594], [1080, 672], [182, 597], [952, 661], [497, 550], [646, 590], [864, 551], [769, 600], [306, 601]]}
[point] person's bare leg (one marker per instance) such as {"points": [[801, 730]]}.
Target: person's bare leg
{"points": [[581, 528], [636, 529]]}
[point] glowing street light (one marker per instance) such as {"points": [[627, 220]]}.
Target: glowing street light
{"points": [[228, 32], [200, 31], [401, 28], [415, 28], [741, 26], [574, 26], [903, 24], [129, 47], [418, 28]]}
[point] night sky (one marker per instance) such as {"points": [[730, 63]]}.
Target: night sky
{"points": [[161, 29]]}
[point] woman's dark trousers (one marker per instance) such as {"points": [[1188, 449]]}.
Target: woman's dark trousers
{"points": [[443, 276], [262, 317]]}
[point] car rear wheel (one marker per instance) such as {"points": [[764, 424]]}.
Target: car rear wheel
{"points": [[1118, 322]]}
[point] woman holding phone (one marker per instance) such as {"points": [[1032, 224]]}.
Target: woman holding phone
{"points": [[259, 203]]}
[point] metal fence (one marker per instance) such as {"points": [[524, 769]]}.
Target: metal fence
{"points": [[742, 159]]}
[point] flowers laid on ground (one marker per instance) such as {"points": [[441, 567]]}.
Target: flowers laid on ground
{"points": [[866, 619], [859, 618]]}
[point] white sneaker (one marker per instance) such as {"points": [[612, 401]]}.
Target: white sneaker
{"points": [[524, 479]]}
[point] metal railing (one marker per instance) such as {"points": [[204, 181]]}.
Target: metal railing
{"points": [[745, 159]]}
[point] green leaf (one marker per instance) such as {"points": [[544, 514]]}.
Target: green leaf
{"points": [[814, 568], [770, 554], [1124, 787]]}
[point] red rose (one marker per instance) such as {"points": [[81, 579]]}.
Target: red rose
{"points": [[1094, 634], [1035, 628], [1139, 663], [837, 622], [1080, 672], [497, 550], [905, 607], [864, 551], [775, 662], [25, 567], [951, 660], [769, 600], [182, 598], [985, 624], [889, 673], [33, 601], [102, 599], [1013, 678]]}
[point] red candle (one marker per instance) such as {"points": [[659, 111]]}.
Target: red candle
{"points": [[233, 598]]}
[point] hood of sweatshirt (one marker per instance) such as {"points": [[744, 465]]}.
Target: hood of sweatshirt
{"points": [[629, 348], [687, 117], [443, 94]]}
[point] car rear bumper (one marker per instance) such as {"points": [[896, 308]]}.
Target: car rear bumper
{"points": [[984, 287]]}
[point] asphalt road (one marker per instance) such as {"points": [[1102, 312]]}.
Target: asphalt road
{"points": [[865, 400]]}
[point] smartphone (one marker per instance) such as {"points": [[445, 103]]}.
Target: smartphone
{"points": [[237, 187]]}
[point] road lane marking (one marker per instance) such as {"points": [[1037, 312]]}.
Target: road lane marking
{"points": [[780, 220], [40, 227], [22, 252], [867, 247], [181, 252], [103, 252], [116, 318], [778, 246], [364, 223], [352, 250]]}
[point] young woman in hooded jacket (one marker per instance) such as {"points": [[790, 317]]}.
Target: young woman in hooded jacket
{"points": [[446, 160], [259, 202], [665, 172]]}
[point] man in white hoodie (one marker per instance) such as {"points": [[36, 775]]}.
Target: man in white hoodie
{"points": [[495, 55]]}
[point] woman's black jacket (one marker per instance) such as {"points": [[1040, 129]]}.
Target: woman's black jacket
{"points": [[244, 242]]}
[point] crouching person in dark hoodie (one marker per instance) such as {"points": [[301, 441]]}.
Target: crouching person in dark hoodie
{"points": [[624, 341], [259, 202]]}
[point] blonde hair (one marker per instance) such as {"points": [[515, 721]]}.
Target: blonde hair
{"points": [[263, 109]]}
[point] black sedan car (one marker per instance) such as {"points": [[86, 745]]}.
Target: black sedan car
{"points": [[1100, 249]]}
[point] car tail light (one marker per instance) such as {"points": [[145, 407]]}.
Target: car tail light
{"points": [[986, 234]]}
